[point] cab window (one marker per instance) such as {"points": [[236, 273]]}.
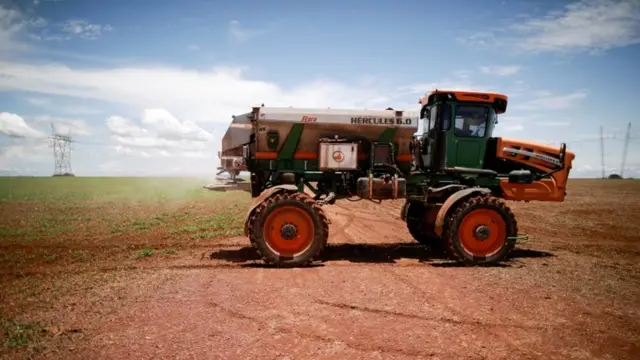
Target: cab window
{"points": [[471, 121], [435, 112], [433, 117]]}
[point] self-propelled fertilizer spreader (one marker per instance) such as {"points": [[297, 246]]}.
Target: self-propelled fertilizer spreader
{"points": [[454, 176]]}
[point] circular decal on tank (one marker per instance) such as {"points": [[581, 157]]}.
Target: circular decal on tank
{"points": [[338, 156]]}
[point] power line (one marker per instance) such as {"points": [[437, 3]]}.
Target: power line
{"points": [[602, 150], [61, 153], [626, 147]]}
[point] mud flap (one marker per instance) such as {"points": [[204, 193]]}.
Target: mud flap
{"points": [[264, 196], [450, 202], [404, 211]]}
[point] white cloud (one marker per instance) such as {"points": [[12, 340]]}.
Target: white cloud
{"points": [[120, 126], [509, 124], [85, 29], [420, 89], [168, 127], [553, 123], [462, 74], [78, 110], [240, 33], [199, 96], [65, 126], [14, 125], [38, 22], [549, 101], [588, 25], [479, 39], [12, 24], [46, 35], [507, 118], [588, 138], [28, 146], [585, 167], [20, 156], [48, 104], [511, 128], [591, 26], [16, 26], [160, 134], [37, 101], [504, 70]]}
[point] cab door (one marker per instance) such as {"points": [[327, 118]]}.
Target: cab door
{"points": [[469, 135]]}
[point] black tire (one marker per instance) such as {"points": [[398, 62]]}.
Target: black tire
{"points": [[418, 226], [301, 204], [503, 245]]}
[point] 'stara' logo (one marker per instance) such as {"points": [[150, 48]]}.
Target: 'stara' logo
{"points": [[338, 156]]}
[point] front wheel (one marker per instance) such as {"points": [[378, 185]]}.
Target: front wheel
{"points": [[480, 231], [288, 229]]}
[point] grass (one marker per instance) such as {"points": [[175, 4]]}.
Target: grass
{"points": [[82, 213], [55, 223], [20, 335], [43, 209], [107, 189], [144, 253]]}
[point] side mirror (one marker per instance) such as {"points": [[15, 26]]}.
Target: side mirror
{"points": [[563, 152], [424, 112]]}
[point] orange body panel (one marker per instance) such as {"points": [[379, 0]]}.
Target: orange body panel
{"points": [[272, 155], [477, 96], [551, 189], [471, 96], [541, 190]]}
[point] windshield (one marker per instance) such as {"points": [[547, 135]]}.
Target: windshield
{"points": [[471, 120]]}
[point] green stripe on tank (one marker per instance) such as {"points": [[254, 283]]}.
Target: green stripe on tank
{"points": [[290, 144]]}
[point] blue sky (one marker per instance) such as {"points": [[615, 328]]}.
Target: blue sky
{"points": [[148, 87]]}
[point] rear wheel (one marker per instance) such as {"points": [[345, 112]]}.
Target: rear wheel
{"points": [[421, 219], [288, 229], [479, 229]]}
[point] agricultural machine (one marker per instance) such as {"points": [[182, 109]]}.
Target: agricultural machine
{"points": [[454, 177], [231, 160]]}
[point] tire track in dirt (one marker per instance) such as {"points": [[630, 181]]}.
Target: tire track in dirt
{"points": [[362, 223], [362, 234], [441, 319], [353, 226], [467, 324], [370, 221], [327, 339], [492, 328], [341, 229]]}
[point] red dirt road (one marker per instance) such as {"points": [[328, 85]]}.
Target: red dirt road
{"points": [[571, 293]]}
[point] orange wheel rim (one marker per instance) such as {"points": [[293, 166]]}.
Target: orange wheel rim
{"points": [[483, 232], [288, 230]]}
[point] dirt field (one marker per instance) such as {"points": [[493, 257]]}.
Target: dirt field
{"points": [[157, 269]]}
